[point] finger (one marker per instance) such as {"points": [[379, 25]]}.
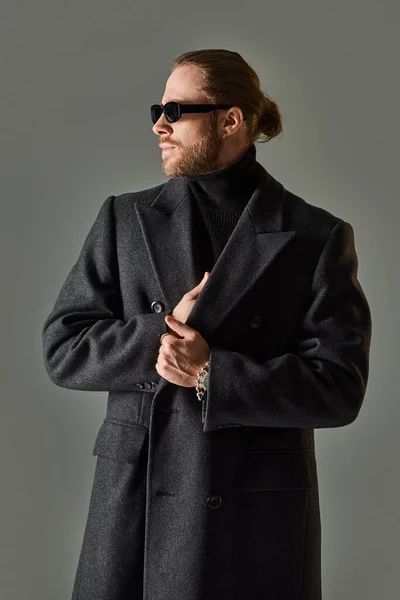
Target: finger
{"points": [[197, 289]]}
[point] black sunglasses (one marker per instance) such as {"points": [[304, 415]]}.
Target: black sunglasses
{"points": [[174, 110]]}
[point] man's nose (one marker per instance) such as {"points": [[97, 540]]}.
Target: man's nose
{"points": [[161, 125]]}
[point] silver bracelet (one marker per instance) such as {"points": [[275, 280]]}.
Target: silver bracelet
{"points": [[200, 389]]}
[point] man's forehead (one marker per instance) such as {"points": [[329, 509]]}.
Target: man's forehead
{"points": [[195, 97], [178, 95], [182, 86], [175, 99]]}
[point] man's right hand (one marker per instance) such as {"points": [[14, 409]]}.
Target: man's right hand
{"points": [[183, 309]]}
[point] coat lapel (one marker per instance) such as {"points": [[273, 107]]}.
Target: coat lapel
{"points": [[256, 241]]}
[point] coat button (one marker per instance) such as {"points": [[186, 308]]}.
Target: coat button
{"points": [[157, 306], [140, 386], [155, 384], [255, 321], [214, 500], [148, 385]]}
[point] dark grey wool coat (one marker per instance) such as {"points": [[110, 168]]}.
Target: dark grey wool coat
{"points": [[218, 499]]}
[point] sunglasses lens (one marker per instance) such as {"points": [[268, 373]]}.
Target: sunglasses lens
{"points": [[156, 112], [171, 112]]}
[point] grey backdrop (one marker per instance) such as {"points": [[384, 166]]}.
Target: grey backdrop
{"points": [[77, 80]]}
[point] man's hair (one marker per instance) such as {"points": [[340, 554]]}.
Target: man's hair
{"points": [[227, 78]]}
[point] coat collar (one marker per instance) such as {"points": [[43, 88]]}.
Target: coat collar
{"points": [[258, 238]]}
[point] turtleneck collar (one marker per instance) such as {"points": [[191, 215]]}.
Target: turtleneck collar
{"points": [[229, 188]]}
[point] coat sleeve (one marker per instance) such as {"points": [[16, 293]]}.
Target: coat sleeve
{"points": [[323, 383], [87, 345]]}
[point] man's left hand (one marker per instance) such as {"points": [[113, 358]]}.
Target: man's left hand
{"points": [[181, 358]]}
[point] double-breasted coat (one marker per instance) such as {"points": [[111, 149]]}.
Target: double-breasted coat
{"points": [[212, 499]]}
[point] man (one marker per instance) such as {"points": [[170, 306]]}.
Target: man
{"points": [[206, 482]]}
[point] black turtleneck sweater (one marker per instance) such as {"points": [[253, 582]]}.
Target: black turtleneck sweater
{"points": [[220, 198]]}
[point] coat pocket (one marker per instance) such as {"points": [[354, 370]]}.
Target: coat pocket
{"points": [[120, 441], [275, 516], [279, 470]]}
